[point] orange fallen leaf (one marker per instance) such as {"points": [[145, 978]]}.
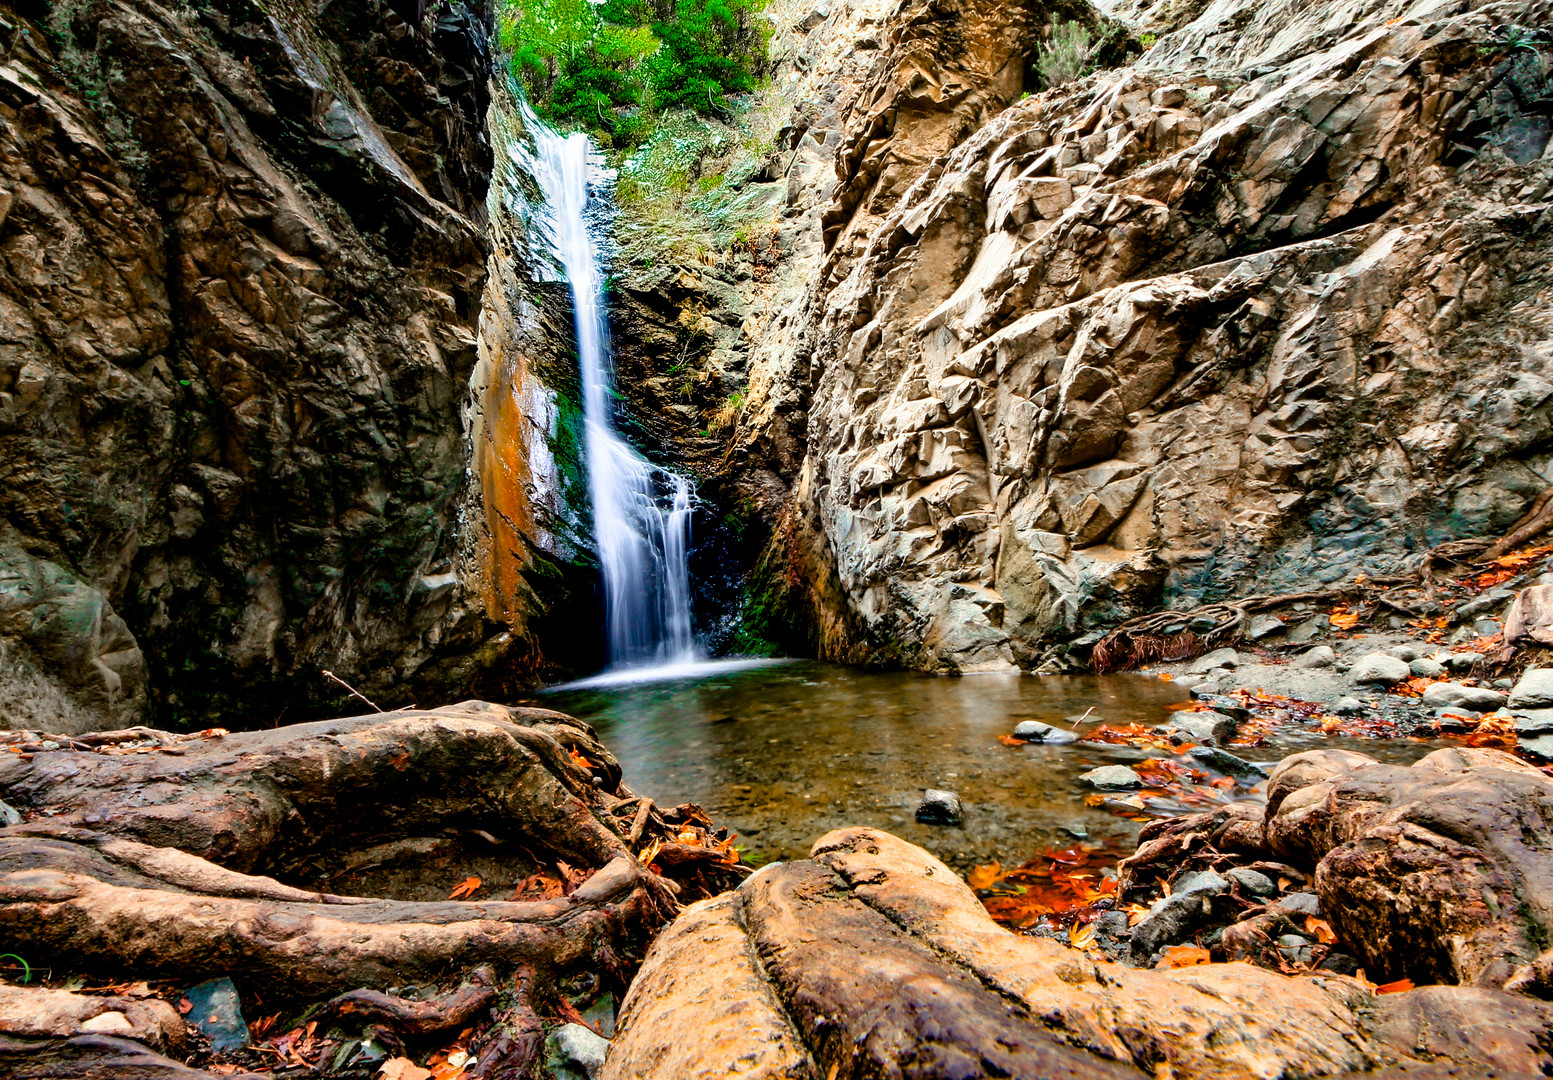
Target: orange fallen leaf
{"points": [[1009, 740], [402, 1068], [1165, 676], [1344, 620], [1179, 956], [1321, 929], [1081, 935], [1394, 987], [982, 877], [464, 888]]}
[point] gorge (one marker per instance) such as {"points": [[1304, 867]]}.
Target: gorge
{"points": [[1106, 450]]}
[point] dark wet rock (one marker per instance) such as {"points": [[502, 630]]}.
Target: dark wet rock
{"points": [[1298, 904], [1035, 731], [1205, 727], [1455, 695], [215, 1010], [1112, 778], [1189, 907], [1252, 881], [1378, 669], [1222, 703], [576, 1052], [939, 807], [1228, 764]]}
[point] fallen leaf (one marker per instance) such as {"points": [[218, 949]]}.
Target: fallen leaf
{"points": [[1394, 987], [982, 877], [1165, 676], [1321, 929], [1009, 740], [1179, 956], [464, 888], [402, 1068], [1081, 935]]}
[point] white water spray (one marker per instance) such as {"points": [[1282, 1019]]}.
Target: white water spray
{"points": [[641, 513]]}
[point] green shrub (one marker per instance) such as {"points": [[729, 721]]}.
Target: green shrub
{"points": [[1065, 56]]}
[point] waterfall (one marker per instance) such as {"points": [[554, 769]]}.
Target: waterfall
{"points": [[641, 512]]}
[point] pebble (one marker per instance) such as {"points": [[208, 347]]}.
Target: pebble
{"points": [[1321, 656], [1106, 778], [216, 1011], [939, 807], [1035, 731], [1347, 706], [1425, 668], [1229, 706], [1404, 652], [581, 1048], [1378, 668], [1455, 695], [1463, 661], [1252, 881], [1534, 691], [1218, 658]]}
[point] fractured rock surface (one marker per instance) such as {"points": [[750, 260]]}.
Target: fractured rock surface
{"points": [[1266, 310]]}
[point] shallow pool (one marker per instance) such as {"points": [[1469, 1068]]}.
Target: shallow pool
{"points": [[783, 752]]}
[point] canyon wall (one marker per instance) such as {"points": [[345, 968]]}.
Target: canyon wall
{"points": [[242, 262], [1269, 307]]}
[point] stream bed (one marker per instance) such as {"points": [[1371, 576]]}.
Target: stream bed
{"points": [[783, 752]]}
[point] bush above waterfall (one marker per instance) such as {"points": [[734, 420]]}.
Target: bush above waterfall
{"points": [[610, 67]]}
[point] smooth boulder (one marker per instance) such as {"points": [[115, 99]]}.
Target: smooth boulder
{"points": [[1378, 669]]}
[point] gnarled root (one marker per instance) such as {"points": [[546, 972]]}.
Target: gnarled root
{"points": [[187, 859]]}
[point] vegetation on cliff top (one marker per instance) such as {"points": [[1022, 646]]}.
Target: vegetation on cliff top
{"points": [[612, 67]]}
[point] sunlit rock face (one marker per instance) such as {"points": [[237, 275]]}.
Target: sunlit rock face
{"points": [[1268, 309], [243, 261]]}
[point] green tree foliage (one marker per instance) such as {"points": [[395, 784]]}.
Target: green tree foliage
{"points": [[602, 65]]}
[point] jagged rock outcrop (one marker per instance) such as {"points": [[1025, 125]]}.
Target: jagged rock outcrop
{"points": [[1264, 310], [243, 268]]}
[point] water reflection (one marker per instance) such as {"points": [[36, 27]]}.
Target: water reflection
{"points": [[781, 754]]}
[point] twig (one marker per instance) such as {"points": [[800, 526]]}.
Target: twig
{"points": [[352, 689], [639, 824], [1081, 719]]}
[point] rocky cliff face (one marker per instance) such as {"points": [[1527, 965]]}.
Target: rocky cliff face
{"points": [[241, 268], [1267, 308]]}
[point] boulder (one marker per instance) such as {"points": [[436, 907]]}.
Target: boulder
{"points": [[1378, 669], [871, 958], [1411, 863], [1455, 695], [1534, 690], [1534, 722], [1425, 668], [1463, 661], [1531, 616], [1406, 652]]}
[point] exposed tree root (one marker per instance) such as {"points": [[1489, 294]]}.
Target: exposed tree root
{"points": [[189, 858]]}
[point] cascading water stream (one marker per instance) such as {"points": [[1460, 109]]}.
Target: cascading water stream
{"points": [[641, 512]]}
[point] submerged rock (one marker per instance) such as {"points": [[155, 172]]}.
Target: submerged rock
{"points": [[1228, 764]]}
